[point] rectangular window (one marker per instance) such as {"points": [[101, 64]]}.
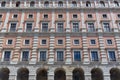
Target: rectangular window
{"points": [[75, 27], [30, 16], [91, 27], [89, 15], [25, 55], [13, 27], [60, 16], [7, 55], [44, 42], [77, 56], [9, 41], [60, 42], [45, 15], [74, 15], [27, 42], [112, 55], [44, 27], [60, 55], [76, 42], [15, 16], [104, 15], [42, 55], [109, 41], [60, 27], [106, 27], [94, 55], [93, 42], [28, 27], [118, 15], [0, 15]]}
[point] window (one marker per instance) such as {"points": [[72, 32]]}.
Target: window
{"points": [[60, 4], [74, 15], [45, 27], [118, 15], [102, 4], [74, 4], [89, 15], [15, 16], [60, 55], [27, 42], [43, 42], [116, 3], [60, 16], [46, 4], [45, 15], [76, 42], [3, 4], [0, 15], [60, 27], [43, 55], [9, 42], [18, 4], [75, 27], [92, 42], [91, 27], [112, 56], [94, 55], [7, 55], [104, 15], [29, 27], [13, 27], [30, 16], [106, 27], [88, 4], [25, 55], [77, 56], [32, 4], [109, 41], [60, 42]]}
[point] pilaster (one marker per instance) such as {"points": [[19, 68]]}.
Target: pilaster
{"points": [[36, 29], [83, 21]]}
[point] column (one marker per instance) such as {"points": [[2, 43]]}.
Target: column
{"points": [[20, 29], [68, 50], [68, 22], [13, 73], [37, 22], [85, 49], [102, 49], [4, 29], [51, 49], [34, 50], [98, 22], [52, 28], [32, 73], [10, 3], [16, 52], [83, 21], [51, 73], [69, 73], [1, 46]]}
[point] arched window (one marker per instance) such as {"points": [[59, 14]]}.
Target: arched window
{"points": [[74, 4], [23, 74], [78, 74], [41, 74], [88, 4], [18, 4], [46, 4], [96, 74], [102, 4], [116, 3], [3, 4], [32, 4], [4, 74], [59, 74], [60, 4], [115, 74]]}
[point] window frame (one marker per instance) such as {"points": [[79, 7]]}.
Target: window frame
{"points": [[91, 40], [74, 42], [42, 43], [63, 55], [58, 41], [28, 16], [107, 41], [92, 57], [74, 56], [3, 54], [21, 58], [13, 16], [109, 55], [8, 40], [10, 26], [40, 57], [24, 42]]}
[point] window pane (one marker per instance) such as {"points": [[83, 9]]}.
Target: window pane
{"points": [[7, 55], [42, 55], [25, 55], [77, 56], [112, 55], [94, 55], [59, 55]]}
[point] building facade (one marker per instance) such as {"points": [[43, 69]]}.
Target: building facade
{"points": [[59, 40]]}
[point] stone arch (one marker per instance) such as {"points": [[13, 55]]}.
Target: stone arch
{"points": [[59, 74], [4, 74], [41, 74], [96, 74], [23, 74], [78, 74], [18, 4], [114, 74]]}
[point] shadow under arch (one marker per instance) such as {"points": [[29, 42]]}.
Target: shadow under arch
{"points": [[78, 74], [23, 74], [96, 74], [114, 74], [4, 74], [59, 74]]}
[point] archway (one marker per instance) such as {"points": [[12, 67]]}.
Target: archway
{"points": [[41, 74], [115, 74], [4, 74]]}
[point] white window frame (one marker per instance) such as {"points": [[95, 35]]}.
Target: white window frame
{"points": [[60, 39], [91, 55], [57, 26], [73, 16], [104, 26], [58, 16], [42, 26], [73, 55], [30, 14], [90, 23], [89, 17], [91, 43], [22, 54], [26, 26], [109, 56], [104, 17], [7, 42], [1, 16], [39, 54], [10, 25], [74, 42], [4, 54], [63, 54], [107, 41], [24, 42], [44, 17], [41, 42], [13, 16]]}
